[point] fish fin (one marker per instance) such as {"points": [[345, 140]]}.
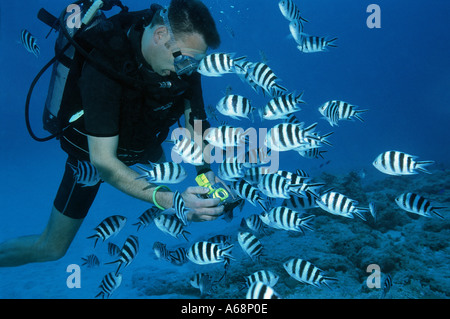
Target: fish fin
{"points": [[184, 233], [437, 214], [226, 252], [420, 166]]}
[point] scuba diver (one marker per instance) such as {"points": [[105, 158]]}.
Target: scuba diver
{"points": [[120, 99]]}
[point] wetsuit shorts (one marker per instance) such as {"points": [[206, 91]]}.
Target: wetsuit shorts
{"points": [[78, 189]]}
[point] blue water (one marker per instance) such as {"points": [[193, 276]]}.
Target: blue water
{"points": [[400, 73]]}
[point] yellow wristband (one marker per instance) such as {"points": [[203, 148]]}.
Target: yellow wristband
{"points": [[154, 196]]}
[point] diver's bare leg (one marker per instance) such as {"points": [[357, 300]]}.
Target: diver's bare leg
{"points": [[51, 245]]}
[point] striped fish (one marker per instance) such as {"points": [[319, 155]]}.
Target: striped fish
{"points": [[178, 256], [264, 77], [147, 217], [276, 186], [301, 202], [236, 107], [245, 75], [204, 252], [181, 210], [279, 108], [218, 64], [189, 151], [128, 252], [231, 170], [286, 137], [296, 29], [91, 261], [399, 163], [306, 272], [161, 251], [86, 174], [312, 153], [255, 224], [109, 284], [113, 249], [335, 111], [417, 204], [290, 10], [110, 226], [286, 219], [225, 136], [255, 156], [203, 282], [223, 240], [338, 204], [253, 175], [250, 245], [246, 191], [171, 225], [29, 42], [386, 286], [259, 290], [265, 276], [295, 178], [167, 173], [314, 44]]}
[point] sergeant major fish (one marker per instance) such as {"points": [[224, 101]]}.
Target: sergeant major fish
{"points": [[204, 252], [189, 151], [417, 204], [259, 290], [236, 107], [264, 77], [218, 64], [334, 111], [314, 44], [110, 226], [399, 163], [250, 245], [226, 136], [29, 42], [128, 252], [167, 173], [306, 272], [85, 173], [147, 217], [265, 276], [286, 219], [286, 137], [338, 204], [109, 284], [279, 108], [171, 225], [290, 10]]}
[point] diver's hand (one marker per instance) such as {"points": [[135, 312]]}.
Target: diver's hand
{"points": [[201, 209]]}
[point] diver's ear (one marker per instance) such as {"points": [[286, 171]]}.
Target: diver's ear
{"points": [[160, 34]]}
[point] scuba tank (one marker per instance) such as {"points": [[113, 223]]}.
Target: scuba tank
{"points": [[65, 48]]}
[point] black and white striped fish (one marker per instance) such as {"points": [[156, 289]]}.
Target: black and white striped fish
{"points": [[335, 111], [277, 186], [306, 272], [250, 245], [245, 75], [386, 286], [178, 256], [218, 64], [338, 204], [255, 224], [259, 290], [253, 175], [236, 107], [301, 202], [264, 77], [171, 225], [91, 261], [167, 173], [417, 204], [203, 282], [147, 217], [113, 249], [279, 108], [110, 226], [225, 136], [29, 42], [265, 276], [181, 210], [189, 151], [223, 240], [286, 219], [296, 29], [246, 191], [128, 252], [86, 174], [109, 284], [399, 163], [161, 251], [312, 153], [290, 10], [204, 252], [314, 44], [231, 170], [295, 178], [286, 136]]}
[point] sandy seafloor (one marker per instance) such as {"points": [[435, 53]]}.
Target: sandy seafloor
{"points": [[413, 249]]}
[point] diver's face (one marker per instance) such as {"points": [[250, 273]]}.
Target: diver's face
{"points": [[158, 50]]}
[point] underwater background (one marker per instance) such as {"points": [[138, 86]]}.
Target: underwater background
{"points": [[400, 73]]}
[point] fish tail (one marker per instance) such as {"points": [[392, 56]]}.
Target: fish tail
{"points": [[420, 166], [96, 239], [325, 280], [226, 252], [357, 114], [184, 233], [437, 214], [331, 44], [358, 212]]}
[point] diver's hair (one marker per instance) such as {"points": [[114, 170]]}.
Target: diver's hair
{"points": [[189, 16]]}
